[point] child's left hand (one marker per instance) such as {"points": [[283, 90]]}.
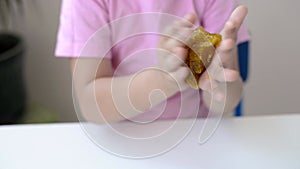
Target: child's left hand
{"points": [[224, 67]]}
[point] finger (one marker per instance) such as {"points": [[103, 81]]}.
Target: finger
{"points": [[169, 32], [189, 20], [224, 55], [186, 22], [181, 54], [211, 80], [179, 30], [226, 46], [171, 39], [180, 39], [174, 59], [164, 37], [207, 84], [180, 75], [234, 22], [224, 75], [229, 31], [238, 15]]}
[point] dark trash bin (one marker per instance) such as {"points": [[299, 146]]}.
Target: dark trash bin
{"points": [[12, 90]]}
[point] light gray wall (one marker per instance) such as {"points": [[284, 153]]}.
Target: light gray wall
{"points": [[274, 81], [48, 78]]}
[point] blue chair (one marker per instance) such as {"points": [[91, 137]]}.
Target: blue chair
{"points": [[243, 53]]}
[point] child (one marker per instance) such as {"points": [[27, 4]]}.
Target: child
{"points": [[133, 83]]}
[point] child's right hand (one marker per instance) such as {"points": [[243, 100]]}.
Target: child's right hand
{"points": [[174, 52]]}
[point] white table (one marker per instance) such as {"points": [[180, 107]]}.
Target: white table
{"points": [[271, 142]]}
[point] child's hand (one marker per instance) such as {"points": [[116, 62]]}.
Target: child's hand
{"points": [[224, 67], [174, 52]]}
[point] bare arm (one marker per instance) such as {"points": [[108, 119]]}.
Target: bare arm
{"points": [[105, 98], [117, 98]]}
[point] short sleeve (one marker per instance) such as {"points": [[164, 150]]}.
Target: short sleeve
{"points": [[79, 22], [216, 14]]}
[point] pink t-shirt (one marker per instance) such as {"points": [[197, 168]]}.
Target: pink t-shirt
{"points": [[127, 31]]}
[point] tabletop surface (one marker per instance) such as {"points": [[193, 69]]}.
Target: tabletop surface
{"points": [[248, 142]]}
